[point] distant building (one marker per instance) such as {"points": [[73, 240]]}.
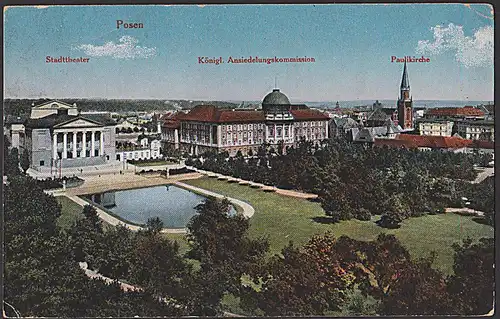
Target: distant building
{"points": [[145, 150], [377, 105], [340, 126], [208, 128], [445, 143], [435, 127], [405, 103], [380, 116], [370, 134], [476, 129], [14, 130], [488, 109], [454, 113]]}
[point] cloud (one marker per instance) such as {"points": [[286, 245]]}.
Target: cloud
{"points": [[126, 48], [470, 51]]}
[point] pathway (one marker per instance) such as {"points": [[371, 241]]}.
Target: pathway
{"points": [[286, 192], [485, 173], [466, 210], [127, 287]]}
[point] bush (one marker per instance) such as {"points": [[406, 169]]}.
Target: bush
{"points": [[363, 214], [176, 171]]}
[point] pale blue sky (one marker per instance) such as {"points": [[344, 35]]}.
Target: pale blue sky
{"points": [[352, 46]]}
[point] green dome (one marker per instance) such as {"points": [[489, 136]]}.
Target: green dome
{"points": [[276, 98]]}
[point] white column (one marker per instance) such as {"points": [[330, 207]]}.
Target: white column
{"points": [[74, 144], [176, 139], [84, 145], [54, 146], [283, 132], [219, 135], [101, 144], [92, 144], [274, 133], [65, 145]]}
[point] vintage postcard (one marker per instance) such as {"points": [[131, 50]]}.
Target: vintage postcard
{"points": [[325, 160]]}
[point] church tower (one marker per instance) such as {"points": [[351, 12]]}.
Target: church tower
{"points": [[405, 103]]}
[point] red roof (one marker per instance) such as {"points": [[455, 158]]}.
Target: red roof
{"points": [[483, 144], [455, 111], [212, 114], [308, 114], [241, 116], [414, 141], [394, 143], [170, 120]]}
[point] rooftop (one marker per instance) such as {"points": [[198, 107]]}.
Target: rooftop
{"points": [[212, 114], [455, 111], [447, 142], [56, 119], [276, 98]]}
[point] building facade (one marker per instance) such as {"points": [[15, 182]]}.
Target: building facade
{"points": [[405, 103], [56, 136], [435, 127], [455, 113], [476, 129], [278, 123], [144, 151]]}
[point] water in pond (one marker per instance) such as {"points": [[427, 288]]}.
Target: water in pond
{"points": [[173, 205]]}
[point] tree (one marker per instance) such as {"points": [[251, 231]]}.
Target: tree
{"points": [[292, 286], [220, 242], [41, 277], [473, 284], [156, 264], [396, 212], [154, 225], [418, 290], [86, 238], [11, 165], [25, 160]]}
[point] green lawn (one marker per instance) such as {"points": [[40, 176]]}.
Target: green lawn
{"points": [[70, 212], [285, 218]]}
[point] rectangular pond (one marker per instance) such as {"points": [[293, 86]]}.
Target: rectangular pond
{"points": [[173, 205]]}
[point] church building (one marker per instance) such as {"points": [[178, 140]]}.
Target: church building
{"points": [[405, 103]]}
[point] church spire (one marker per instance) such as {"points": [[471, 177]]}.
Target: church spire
{"points": [[405, 82]]}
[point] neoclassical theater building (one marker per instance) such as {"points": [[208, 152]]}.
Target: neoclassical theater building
{"points": [[57, 135], [278, 122]]}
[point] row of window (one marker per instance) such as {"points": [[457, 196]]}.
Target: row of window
{"points": [[240, 142], [239, 127], [476, 129], [310, 123], [132, 155]]}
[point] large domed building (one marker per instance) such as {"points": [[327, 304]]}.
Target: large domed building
{"points": [[278, 123], [275, 98]]}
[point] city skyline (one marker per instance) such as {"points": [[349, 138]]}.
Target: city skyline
{"points": [[352, 46]]}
